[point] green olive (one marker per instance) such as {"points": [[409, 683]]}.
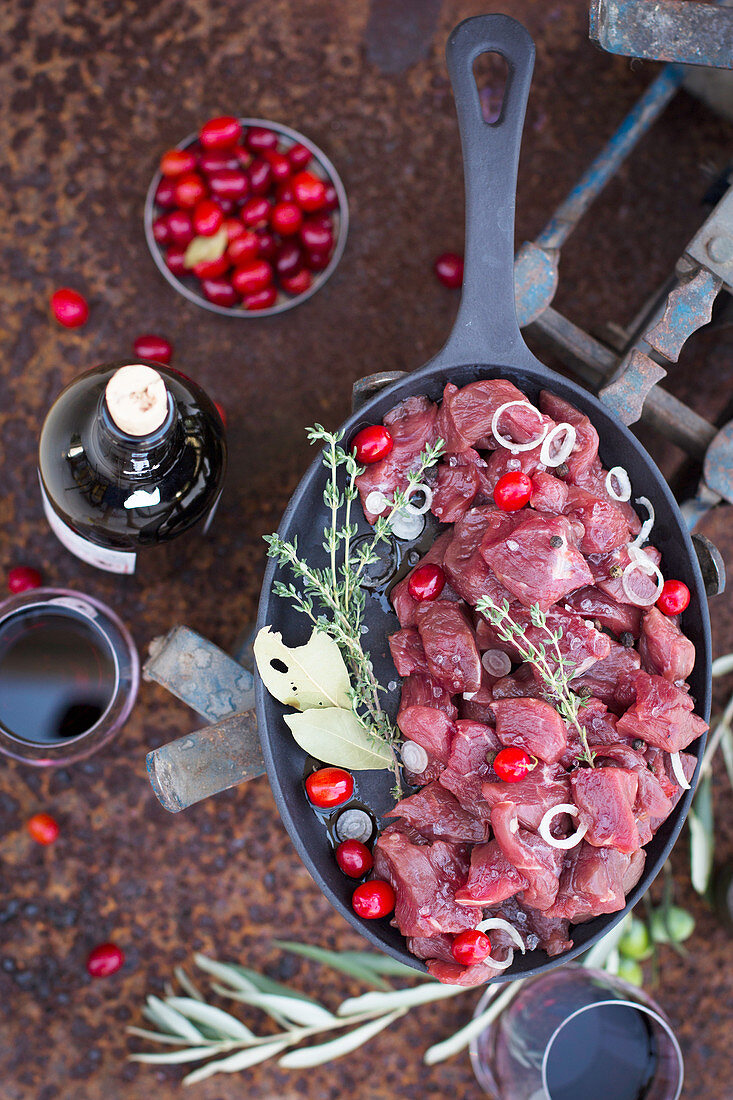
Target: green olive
{"points": [[630, 971], [635, 943], [678, 926]]}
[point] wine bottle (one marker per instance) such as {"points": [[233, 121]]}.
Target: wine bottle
{"points": [[132, 454]]}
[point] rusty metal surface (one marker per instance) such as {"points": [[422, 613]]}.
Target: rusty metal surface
{"points": [[627, 394], [683, 31], [90, 94], [689, 306], [712, 245]]}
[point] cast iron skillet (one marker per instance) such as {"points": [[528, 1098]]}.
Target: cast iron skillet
{"points": [[485, 343]]}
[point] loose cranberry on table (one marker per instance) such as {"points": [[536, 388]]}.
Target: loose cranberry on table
{"points": [[674, 598], [469, 948], [373, 899], [22, 578], [426, 582], [372, 444], [449, 269], [223, 132], [43, 828], [512, 764], [512, 491], [69, 307], [329, 787], [176, 162], [153, 347], [105, 959], [354, 858]]}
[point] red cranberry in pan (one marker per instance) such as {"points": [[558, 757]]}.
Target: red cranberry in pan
{"points": [[286, 218], [212, 269], [512, 491], [230, 184], [174, 260], [512, 764], [180, 227], [161, 232], [234, 228], [315, 236], [165, 194], [373, 900], [317, 261], [372, 444], [674, 598], [471, 947], [244, 248], [220, 133], [251, 277], [329, 787], [289, 259], [354, 858], [279, 164], [284, 192], [331, 199], [212, 162], [267, 244], [299, 156], [426, 582], [256, 212], [309, 191], [449, 269], [220, 292]]}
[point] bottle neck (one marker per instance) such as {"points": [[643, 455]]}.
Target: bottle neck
{"points": [[136, 456]]}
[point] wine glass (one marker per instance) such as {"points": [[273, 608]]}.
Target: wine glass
{"points": [[576, 1034]]}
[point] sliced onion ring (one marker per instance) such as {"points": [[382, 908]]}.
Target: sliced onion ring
{"points": [[414, 757], [566, 447], [375, 502], [504, 964], [505, 926], [496, 662], [679, 774], [570, 841], [646, 527], [405, 526], [624, 481], [419, 510], [648, 572], [509, 443]]}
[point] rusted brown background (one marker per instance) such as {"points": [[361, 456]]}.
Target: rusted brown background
{"points": [[89, 96]]}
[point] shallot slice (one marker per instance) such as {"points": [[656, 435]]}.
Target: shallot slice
{"points": [[509, 443], [570, 841], [496, 662], [414, 757], [406, 526], [420, 509], [504, 965], [499, 922], [646, 527], [679, 774], [624, 484], [375, 502], [654, 571], [565, 449]]}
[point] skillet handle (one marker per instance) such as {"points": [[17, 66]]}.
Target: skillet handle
{"points": [[486, 329]]}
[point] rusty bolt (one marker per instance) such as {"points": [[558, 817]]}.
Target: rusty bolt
{"points": [[720, 249]]}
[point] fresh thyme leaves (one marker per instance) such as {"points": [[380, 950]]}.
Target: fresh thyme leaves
{"points": [[555, 676], [332, 597]]}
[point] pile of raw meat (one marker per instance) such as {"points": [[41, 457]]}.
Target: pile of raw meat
{"points": [[467, 845]]}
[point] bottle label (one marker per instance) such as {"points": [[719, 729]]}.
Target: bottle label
{"points": [[114, 561]]}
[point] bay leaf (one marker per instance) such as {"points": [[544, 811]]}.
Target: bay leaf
{"points": [[206, 249], [304, 677], [336, 736]]}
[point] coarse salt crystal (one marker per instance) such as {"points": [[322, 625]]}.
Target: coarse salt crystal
{"points": [[512, 545]]}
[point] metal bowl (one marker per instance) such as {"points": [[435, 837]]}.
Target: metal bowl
{"points": [[322, 167]]}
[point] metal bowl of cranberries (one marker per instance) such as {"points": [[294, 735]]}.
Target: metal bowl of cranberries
{"points": [[246, 218]]}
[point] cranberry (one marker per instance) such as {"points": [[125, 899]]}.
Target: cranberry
{"points": [[674, 598], [228, 206], [251, 277], [230, 184], [176, 162], [256, 212], [331, 198], [372, 444], [153, 347], [180, 227], [289, 259], [165, 194], [317, 261], [161, 232], [299, 156], [220, 292], [174, 260], [298, 283], [217, 162], [244, 157], [315, 236], [43, 828], [512, 491], [354, 858], [471, 947], [207, 218], [69, 308], [220, 133], [449, 269], [267, 243], [222, 414], [513, 764], [244, 248], [261, 299], [258, 139], [21, 578], [105, 959], [212, 269], [260, 176], [309, 191], [284, 192], [279, 164], [426, 582], [286, 218], [373, 899], [234, 229], [329, 787], [189, 190]]}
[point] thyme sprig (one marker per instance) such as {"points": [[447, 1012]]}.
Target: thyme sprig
{"points": [[555, 677], [332, 597]]}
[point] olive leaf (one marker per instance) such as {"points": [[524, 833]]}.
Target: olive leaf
{"points": [[206, 249], [336, 736], [336, 1048], [307, 676], [701, 835]]}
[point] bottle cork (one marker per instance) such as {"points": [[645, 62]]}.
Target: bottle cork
{"points": [[137, 399]]}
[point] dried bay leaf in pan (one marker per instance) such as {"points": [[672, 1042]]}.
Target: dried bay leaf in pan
{"points": [[336, 736], [304, 677]]}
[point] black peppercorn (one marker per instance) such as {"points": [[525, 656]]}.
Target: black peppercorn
{"points": [[626, 639], [616, 571], [637, 744], [556, 541], [561, 470]]}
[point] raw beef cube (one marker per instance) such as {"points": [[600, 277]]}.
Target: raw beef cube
{"points": [[430, 728], [491, 879], [464, 565], [532, 725], [538, 561], [611, 679], [408, 653], [460, 479], [538, 861], [593, 604], [608, 571], [605, 525], [581, 645], [465, 415], [469, 766], [412, 425], [520, 685], [662, 714], [535, 928], [450, 646], [605, 798], [437, 815], [594, 881], [546, 785], [423, 691], [585, 452], [549, 493], [663, 647]]}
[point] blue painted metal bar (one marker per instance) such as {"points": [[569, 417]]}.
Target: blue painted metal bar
{"points": [[644, 113]]}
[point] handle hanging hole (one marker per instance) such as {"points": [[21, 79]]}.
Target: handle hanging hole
{"points": [[491, 72]]}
